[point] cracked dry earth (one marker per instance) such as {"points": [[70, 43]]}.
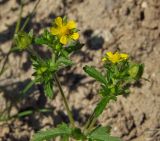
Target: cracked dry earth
{"points": [[131, 26]]}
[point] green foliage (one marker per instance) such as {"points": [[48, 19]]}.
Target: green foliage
{"points": [[135, 71], [23, 40], [61, 130], [116, 78], [62, 61], [27, 87], [46, 38], [74, 46], [77, 134], [91, 71], [30, 112], [24, 113], [100, 134], [48, 90], [101, 106], [114, 81], [44, 70]]}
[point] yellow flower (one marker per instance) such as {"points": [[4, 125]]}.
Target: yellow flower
{"points": [[64, 30], [116, 57]]}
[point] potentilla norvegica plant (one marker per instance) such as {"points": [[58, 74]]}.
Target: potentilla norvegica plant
{"points": [[62, 39]]}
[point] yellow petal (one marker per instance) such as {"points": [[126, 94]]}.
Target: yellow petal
{"points": [[114, 58], [63, 40], [54, 31], [109, 54], [124, 56], [116, 54], [71, 24], [58, 21], [75, 36]]}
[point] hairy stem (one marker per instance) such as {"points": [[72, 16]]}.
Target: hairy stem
{"points": [[19, 18], [90, 127], [30, 15], [90, 123], [86, 126], [65, 101]]}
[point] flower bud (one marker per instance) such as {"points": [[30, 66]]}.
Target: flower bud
{"points": [[41, 70], [23, 40], [136, 71]]}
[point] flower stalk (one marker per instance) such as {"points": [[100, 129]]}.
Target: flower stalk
{"points": [[64, 100]]}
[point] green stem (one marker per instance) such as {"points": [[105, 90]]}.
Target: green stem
{"points": [[88, 122], [16, 30], [19, 18], [30, 15], [65, 101], [91, 124]]}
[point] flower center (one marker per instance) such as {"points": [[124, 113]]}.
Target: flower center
{"points": [[64, 31], [115, 58]]}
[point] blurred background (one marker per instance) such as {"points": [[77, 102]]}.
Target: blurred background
{"points": [[129, 26]]}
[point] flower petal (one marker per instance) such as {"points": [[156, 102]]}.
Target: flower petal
{"points": [[124, 56], [75, 36], [58, 21], [63, 40], [109, 54], [54, 31], [71, 24]]}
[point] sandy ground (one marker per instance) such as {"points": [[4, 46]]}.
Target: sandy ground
{"points": [[131, 26]]}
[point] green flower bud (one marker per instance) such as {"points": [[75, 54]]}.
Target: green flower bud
{"points": [[41, 70], [136, 71], [23, 40], [113, 90]]}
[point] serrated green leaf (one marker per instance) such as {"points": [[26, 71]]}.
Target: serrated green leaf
{"points": [[40, 41], [91, 71], [64, 53], [74, 47], [61, 130], [48, 90], [100, 134], [44, 38], [101, 106], [64, 61]]}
